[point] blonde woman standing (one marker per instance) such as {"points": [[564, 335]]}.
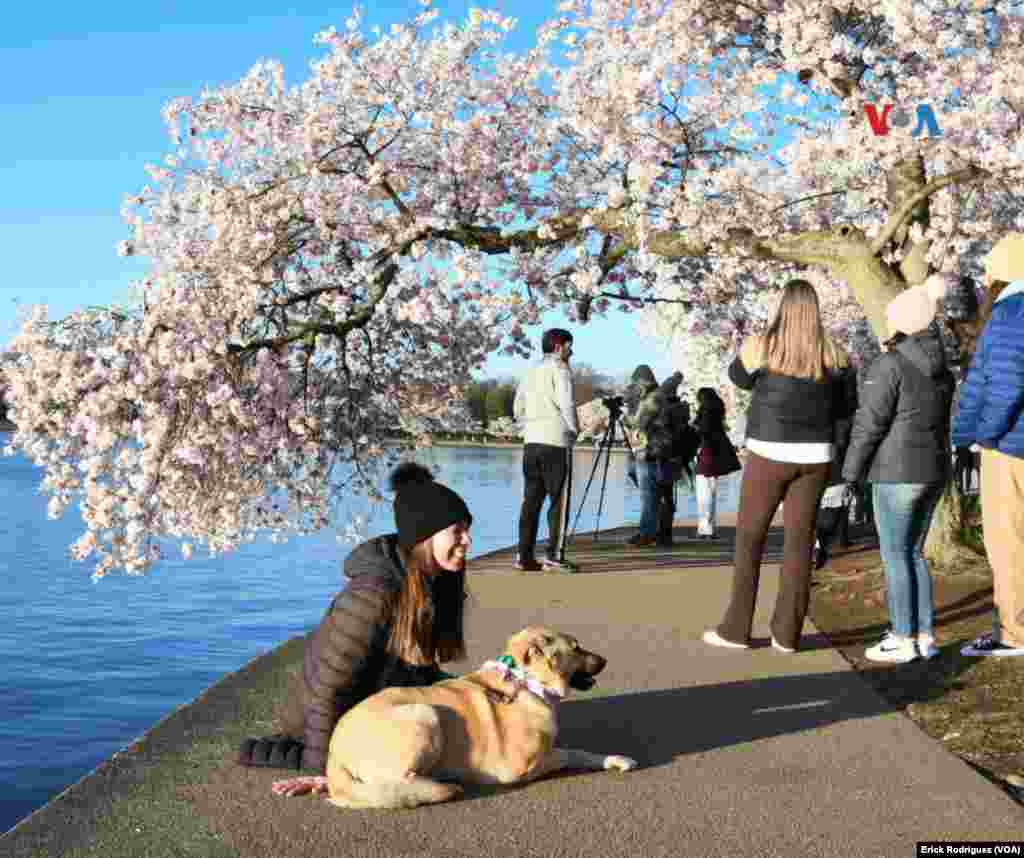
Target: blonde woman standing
{"points": [[802, 383]]}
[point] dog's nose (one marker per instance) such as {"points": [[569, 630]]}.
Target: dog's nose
{"points": [[597, 663]]}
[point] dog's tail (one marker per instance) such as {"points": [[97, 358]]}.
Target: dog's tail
{"points": [[411, 791]]}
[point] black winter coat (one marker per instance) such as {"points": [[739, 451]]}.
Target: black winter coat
{"points": [[789, 409], [345, 659], [710, 426], [900, 432]]}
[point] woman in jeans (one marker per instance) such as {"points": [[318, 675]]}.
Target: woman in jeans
{"points": [[802, 383], [900, 443]]}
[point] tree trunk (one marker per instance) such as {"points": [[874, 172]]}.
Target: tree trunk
{"points": [[942, 548]]}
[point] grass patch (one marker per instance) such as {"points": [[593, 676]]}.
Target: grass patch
{"points": [[973, 706], [150, 816]]}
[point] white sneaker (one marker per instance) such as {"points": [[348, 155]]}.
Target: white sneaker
{"points": [[892, 649], [715, 639], [777, 646], [926, 646]]}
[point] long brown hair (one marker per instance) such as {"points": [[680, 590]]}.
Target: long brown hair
{"points": [[795, 342], [427, 622]]}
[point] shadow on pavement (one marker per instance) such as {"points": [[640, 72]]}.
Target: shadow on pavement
{"points": [[656, 727]]}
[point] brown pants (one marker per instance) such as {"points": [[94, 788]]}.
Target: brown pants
{"points": [[766, 483], [1002, 519]]}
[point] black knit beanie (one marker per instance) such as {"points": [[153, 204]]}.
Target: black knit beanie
{"points": [[423, 507]]}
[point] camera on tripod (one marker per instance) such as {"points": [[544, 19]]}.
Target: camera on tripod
{"points": [[613, 404]]}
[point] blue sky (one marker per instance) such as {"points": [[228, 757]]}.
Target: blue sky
{"points": [[84, 88]]}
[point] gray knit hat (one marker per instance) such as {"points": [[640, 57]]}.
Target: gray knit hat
{"points": [[670, 385], [644, 375]]}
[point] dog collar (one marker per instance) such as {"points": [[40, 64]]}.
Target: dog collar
{"points": [[509, 670]]}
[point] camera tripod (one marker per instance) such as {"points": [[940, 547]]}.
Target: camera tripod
{"points": [[604, 449]]}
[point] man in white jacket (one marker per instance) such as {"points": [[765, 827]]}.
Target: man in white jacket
{"points": [[546, 410]]}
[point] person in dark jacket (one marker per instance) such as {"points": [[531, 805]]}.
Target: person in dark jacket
{"points": [[642, 406], [990, 414], [716, 457], [802, 383], [900, 444], [398, 618], [671, 445]]}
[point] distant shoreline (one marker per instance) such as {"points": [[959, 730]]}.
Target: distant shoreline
{"points": [[7, 426], [512, 445]]}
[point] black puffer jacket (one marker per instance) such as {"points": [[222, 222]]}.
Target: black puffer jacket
{"points": [[788, 409], [721, 458], [900, 432], [345, 661]]}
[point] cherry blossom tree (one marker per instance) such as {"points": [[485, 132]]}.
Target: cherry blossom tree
{"points": [[331, 260]]}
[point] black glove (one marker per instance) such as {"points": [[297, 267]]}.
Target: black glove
{"points": [[272, 752]]}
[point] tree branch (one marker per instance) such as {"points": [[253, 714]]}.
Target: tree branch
{"points": [[899, 217], [359, 318]]}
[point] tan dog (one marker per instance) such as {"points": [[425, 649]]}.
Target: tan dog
{"points": [[403, 747]]}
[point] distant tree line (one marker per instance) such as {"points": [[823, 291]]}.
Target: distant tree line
{"points": [[493, 399]]}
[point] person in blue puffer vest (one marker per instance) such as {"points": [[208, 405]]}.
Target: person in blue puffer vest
{"points": [[991, 415]]}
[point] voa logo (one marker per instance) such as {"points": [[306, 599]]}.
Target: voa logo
{"points": [[881, 123]]}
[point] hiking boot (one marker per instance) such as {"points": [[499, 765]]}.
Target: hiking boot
{"points": [[926, 646], [640, 541], [553, 565], [711, 636], [989, 645], [529, 565], [892, 649]]}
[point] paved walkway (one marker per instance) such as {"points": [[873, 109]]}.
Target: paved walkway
{"points": [[743, 753]]}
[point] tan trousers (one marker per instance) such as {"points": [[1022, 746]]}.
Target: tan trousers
{"points": [[1002, 518]]}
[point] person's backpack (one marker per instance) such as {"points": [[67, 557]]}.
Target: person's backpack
{"points": [[670, 436], [659, 436]]}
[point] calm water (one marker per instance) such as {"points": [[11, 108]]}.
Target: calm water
{"points": [[87, 667]]}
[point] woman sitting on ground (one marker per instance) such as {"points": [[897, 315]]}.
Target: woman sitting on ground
{"points": [[397, 620]]}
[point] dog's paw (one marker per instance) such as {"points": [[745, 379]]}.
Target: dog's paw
{"points": [[619, 764], [300, 786]]}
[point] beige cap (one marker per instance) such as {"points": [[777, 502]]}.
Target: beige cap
{"points": [[913, 309], [1006, 260]]}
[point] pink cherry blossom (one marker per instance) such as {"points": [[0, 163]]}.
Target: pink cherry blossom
{"points": [[328, 259]]}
